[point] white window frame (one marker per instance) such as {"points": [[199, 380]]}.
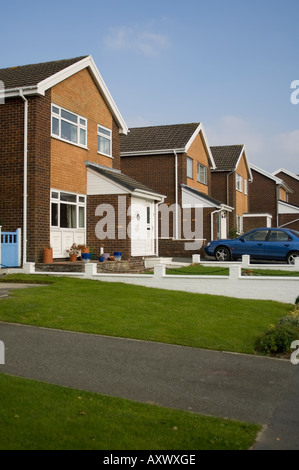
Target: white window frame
{"points": [[190, 162], [239, 183], [105, 135], [81, 124], [202, 174], [78, 203]]}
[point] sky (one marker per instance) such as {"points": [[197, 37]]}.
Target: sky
{"points": [[229, 64]]}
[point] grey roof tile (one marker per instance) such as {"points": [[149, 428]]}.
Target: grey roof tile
{"points": [[226, 156], [31, 75], [151, 138]]}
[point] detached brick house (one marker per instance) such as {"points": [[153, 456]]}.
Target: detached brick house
{"points": [[269, 201], [60, 159], [176, 160], [231, 182]]}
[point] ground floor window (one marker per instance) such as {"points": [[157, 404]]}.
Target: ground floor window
{"points": [[67, 210]]}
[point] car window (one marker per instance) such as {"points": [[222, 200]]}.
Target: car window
{"points": [[279, 236], [257, 236], [294, 232]]}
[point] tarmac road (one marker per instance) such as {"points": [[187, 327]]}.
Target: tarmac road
{"points": [[235, 386]]}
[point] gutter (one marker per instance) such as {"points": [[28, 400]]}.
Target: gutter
{"points": [[176, 195], [25, 195]]}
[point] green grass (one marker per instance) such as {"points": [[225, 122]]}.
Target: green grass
{"points": [[199, 270], [273, 272], [195, 320], [38, 416]]}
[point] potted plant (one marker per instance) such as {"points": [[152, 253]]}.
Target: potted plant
{"points": [[48, 254], [92, 252], [73, 252], [83, 248]]}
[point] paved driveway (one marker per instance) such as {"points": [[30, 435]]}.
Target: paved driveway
{"points": [[241, 387]]}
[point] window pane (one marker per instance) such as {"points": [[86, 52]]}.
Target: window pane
{"points": [[55, 110], [68, 216], [189, 168], [54, 215], [68, 197], [55, 126], [68, 131], [82, 122], [81, 217], [82, 137], [104, 131], [103, 145], [69, 116], [54, 195]]}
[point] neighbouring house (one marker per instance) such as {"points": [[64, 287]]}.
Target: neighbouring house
{"points": [[60, 160], [230, 183], [176, 160], [269, 201], [289, 209]]}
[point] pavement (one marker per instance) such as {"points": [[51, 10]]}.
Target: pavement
{"points": [[235, 386]]}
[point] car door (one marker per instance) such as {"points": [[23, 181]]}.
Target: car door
{"points": [[279, 244], [253, 243]]}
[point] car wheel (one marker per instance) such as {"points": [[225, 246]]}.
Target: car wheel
{"points": [[291, 257], [222, 254]]}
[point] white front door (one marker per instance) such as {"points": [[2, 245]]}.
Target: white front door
{"points": [[142, 227]]}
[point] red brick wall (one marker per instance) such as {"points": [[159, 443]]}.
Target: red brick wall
{"points": [[293, 198], [110, 245], [263, 196]]}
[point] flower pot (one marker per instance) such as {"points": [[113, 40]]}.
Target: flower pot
{"points": [[85, 257], [106, 256], [117, 255], [73, 258], [101, 259], [48, 255]]}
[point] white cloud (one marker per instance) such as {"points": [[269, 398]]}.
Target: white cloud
{"points": [[266, 150], [145, 42]]}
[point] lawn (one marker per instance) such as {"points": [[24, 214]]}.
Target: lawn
{"points": [[195, 320], [38, 416]]}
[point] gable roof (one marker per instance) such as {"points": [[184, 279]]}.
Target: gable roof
{"points": [[36, 79], [162, 139], [227, 157], [123, 180], [206, 198], [277, 180], [282, 170]]}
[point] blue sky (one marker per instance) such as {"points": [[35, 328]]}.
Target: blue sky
{"points": [[226, 63]]}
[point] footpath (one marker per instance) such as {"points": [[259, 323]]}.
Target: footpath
{"points": [[235, 386]]}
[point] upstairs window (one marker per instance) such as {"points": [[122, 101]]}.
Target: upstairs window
{"points": [[68, 126], [202, 174], [104, 141], [189, 167], [239, 182]]}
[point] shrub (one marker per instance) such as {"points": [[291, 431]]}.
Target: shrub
{"points": [[290, 320], [278, 339], [297, 301]]}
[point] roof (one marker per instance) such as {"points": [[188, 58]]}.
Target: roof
{"points": [[227, 157], [31, 75], [120, 178], [36, 79], [168, 137], [277, 180], [286, 172], [202, 195]]}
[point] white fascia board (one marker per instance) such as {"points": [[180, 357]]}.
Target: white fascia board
{"points": [[152, 152], [243, 152], [199, 130], [258, 215], [27, 91], [87, 62], [265, 173], [148, 195], [282, 170]]}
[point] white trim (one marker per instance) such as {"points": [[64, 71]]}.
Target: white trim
{"points": [[282, 170], [100, 134], [243, 151], [152, 152], [67, 72], [199, 130]]}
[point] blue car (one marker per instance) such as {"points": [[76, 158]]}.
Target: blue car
{"points": [[262, 243]]}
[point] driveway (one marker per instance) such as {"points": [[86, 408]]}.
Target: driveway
{"points": [[240, 387]]}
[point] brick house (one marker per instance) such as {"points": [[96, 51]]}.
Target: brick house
{"points": [[176, 160], [289, 213], [59, 132], [269, 201], [230, 182]]}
